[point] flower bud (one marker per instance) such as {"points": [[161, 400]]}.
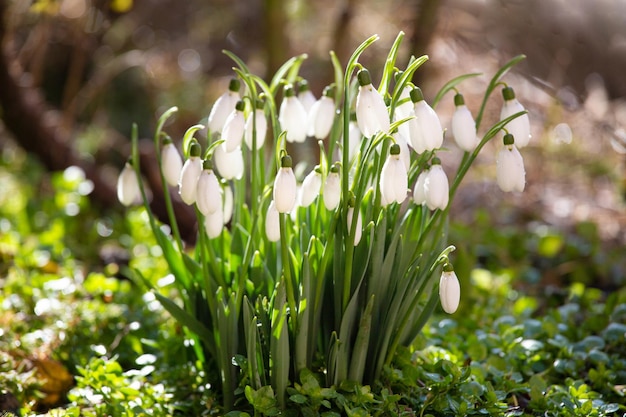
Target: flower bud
{"points": [[322, 115], [188, 182], [229, 164], [436, 187], [430, 136], [419, 193], [371, 112], [463, 125], [209, 192], [394, 178], [272, 223], [223, 106], [310, 187], [293, 117], [510, 173], [520, 126], [285, 186], [232, 133], [171, 162], [449, 290], [332, 189], [128, 191]]}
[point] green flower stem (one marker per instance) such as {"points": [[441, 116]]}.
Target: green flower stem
{"points": [[390, 63], [287, 272]]}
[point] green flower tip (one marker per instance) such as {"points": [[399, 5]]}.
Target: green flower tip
{"points": [[329, 90], [335, 168], [508, 139], [286, 162], [234, 84], [417, 95], [395, 149], [260, 104], [508, 93], [318, 169], [167, 140], [207, 164], [240, 105], [289, 91], [194, 149], [364, 77], [303, 86], [447, 267], [435, 161], [353, 116], [459, 100], [351, 200]]}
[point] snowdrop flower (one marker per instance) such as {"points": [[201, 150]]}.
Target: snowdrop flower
{"points": [[285, 186], [429, 134], [332, 188], [293, 117], [256, 119], [371, 111], [272, 223], [223, 106], [311, 187], [305, 95], [214, 223], [229, 164], [358, 232], [128, 191], [322, 114], [209, 192], [520, 126], [188, 182], [171, 162], [232, 133], [393, 177], [436, 187], [510, 172], [449, 289], [229, 203], [419, 193], [463, 125]]}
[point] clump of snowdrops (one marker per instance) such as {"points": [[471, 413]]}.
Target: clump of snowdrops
{"points": [[331, 271]]}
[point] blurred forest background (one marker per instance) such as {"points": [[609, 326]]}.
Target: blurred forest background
{"points": [[75, 75]]}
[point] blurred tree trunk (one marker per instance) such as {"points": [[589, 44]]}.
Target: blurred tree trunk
{"points": [[341, 37], [424, 29], [276, 42]]}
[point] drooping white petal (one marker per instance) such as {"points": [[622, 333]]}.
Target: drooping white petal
{"points": [[272, 223], [229, 203], [209, 193], [405, 108], [358, 232], [261, 128], [436, 188], [223, 106], [510, 172], [188, 182], [419, 193], [394, 179], [520, 126], [321, 117], [285, 190], [371, 112], [128, 191], [464, 128], [214, 224], [306, 96], [293, 117], [428, 122], [232, 133], [229, 164], [332, 191], [310, 188], [172, 163], [449, 291]]}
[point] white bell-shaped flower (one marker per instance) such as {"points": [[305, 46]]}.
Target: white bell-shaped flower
{"points": [[436, 186], [272, 223], [229, 203], [256, 120], [188, 182], [510, 172], [209, 192], [332, 188], [371, 112], [419, 193], [430, 135], [311, 187], [358, 227], [520, 126], [232, 133], [322, 115], [128, 191], [449, 290], [293, 117], [285, 186], [394, 178], [305, 95], [463, 125], [214, 224], [171, 162], [229, 164], [223, 106]]}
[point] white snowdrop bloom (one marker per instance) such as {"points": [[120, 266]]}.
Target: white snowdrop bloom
{"points": [[436, 187], [311, 187], [229, 203], [520, 126], [332, 188], [293, 117], [209, 192], [322, 115], [232, 133], [449, 290], [272, 223], [188, 182], [431, 133], [214, 223], [405, 108], [128, 191], [510, 173], [419, 193], [256, 119], [358, 232], [463, 125], [305, 95], [371, 112], [229, 164], [394, 178], [285, 186], [223, 106], [171, 162]]}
